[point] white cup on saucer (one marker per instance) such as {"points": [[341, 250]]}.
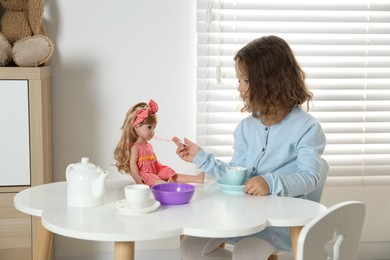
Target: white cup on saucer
{"points": [[235, 175], [137, 195]]}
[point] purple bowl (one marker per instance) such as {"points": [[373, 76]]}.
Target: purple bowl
{"points": [[173, 193]]}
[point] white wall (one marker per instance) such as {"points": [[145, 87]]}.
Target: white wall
{"points": [[109, 56]]}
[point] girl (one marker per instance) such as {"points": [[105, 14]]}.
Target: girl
{"points": [[134, 155], [279, 143]]}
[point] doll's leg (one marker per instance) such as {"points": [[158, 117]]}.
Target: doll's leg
{"points": [[159, 181], [201, 248], [151, 179], [186, 178]]}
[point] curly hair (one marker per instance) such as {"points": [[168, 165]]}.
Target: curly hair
{"points": [[276, 81], [122, 150]]}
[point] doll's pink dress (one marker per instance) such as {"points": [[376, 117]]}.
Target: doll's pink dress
{"points": [[149, 168]]}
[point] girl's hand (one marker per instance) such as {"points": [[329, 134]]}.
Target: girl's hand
{"points": [[186, 151], [257, 186]]}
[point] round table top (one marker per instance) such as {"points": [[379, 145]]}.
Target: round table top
{"points": [[212, 212]]}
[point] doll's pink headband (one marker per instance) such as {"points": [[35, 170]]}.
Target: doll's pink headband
{"points": [[145, 113]]}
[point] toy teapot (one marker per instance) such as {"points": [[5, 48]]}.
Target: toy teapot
{"points": [[85, 184]]}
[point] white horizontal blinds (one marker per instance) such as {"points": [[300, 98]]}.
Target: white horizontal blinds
{"points": [[344, 48]]}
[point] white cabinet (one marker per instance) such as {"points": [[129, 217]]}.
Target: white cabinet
{"points": [[25, 152], [14, 133]]}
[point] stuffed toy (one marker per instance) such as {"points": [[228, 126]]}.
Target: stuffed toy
{"points": [[23, 36]]}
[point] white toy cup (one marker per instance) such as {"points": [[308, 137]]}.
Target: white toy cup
{"points": [[137, 195]]}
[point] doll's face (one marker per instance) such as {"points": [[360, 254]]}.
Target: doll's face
{"points": [[145, 132]]}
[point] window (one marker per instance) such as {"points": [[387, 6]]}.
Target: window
{"points": [[344, 49]]}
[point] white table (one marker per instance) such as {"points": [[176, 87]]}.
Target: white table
{"points": [[211, 213]]}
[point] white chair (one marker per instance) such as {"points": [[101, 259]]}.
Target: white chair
{"points": [[334, 234], [317, 193]]}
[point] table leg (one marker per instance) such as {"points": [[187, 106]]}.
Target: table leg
{"points": [[124, 250], [294, 233], [42, 244]]}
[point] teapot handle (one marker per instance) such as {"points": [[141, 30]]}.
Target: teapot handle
{"points": [[68, 170]]}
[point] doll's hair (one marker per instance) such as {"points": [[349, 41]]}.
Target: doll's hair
{"points": [[122, 150], [276, 81]]}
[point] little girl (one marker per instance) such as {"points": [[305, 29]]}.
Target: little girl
{"points": [[135, 156]]}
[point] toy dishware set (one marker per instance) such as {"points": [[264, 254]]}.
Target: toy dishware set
{"points": [[86, 188]]}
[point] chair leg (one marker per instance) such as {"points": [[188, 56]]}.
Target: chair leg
{"points": [[273, 257]]}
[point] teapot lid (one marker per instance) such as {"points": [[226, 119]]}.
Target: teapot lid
{"points": [[84, 160], [85, 163]]}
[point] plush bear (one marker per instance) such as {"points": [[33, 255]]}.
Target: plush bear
{"points": [[23, 36]]}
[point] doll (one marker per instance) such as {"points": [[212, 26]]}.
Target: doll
{"points": [[135, 155]]}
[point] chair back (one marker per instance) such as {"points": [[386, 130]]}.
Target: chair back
{"points": [[334, 234], [317, 193]]}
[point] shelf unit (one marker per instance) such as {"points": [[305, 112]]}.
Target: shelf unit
{"points": [[17, 230]]}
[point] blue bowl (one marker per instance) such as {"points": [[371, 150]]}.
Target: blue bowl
{"points": [[173, 193]]}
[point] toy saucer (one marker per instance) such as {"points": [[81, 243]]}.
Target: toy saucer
{"points": [[222, 183], [124, 207]]}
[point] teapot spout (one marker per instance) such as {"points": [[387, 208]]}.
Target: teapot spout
{"points": [[98, 184]]}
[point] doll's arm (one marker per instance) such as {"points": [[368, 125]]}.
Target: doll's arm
{"points": [[133, 164]]}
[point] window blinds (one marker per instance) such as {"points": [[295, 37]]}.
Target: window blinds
{"points": [[344, 49]]}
